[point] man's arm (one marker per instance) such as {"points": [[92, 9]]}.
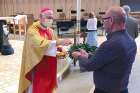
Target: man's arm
{"points": [[64, 42], [105, 54], [59, 41]]}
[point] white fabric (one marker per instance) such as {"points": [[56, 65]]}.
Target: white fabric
{"points": [[30, 89], [92, 38], [18, 17], [51, 50], [92, 24]]}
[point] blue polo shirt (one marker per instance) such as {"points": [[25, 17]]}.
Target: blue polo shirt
{"points": [[112, 62]]}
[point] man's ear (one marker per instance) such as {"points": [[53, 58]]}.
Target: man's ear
{"points": [[111, 22], [111, 19]]}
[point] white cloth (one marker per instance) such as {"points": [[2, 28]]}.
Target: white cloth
{"points": [[30, 89], [51, 50], [92, 38], [18, 17], [92, 24]]}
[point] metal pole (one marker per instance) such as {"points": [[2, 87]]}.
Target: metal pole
{"points": [[77, 32], [78, 14], [78, 17]]}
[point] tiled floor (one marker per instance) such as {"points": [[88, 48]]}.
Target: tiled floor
{"points": [[10, 69]]}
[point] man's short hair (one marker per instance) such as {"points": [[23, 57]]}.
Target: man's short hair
{"points": [[118, 14]]}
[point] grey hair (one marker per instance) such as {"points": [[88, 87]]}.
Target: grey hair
{"points": [[126, 8]]}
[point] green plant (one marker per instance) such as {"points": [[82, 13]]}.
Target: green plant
{"points": [[84, 46]]}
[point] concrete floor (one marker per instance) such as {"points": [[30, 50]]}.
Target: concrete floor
{"points": [[10, 69], [75, 82], [78, 82]]}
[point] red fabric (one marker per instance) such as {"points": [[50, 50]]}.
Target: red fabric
{"points": [[45, 75], [45, 33], [47, 12], [44, 10]]}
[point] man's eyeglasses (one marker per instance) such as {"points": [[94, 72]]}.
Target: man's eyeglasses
{"points": [[105, 18]]}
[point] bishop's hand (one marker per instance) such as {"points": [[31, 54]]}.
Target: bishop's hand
{"points": [[66, 42]]}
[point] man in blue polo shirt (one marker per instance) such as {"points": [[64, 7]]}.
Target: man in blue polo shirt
{"points": [[113, 60]]}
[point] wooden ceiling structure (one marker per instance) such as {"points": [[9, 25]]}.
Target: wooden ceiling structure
{"points": [[13, 7]]}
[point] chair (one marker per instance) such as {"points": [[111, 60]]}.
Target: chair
{"points": [[30, 18], [20, 26]]}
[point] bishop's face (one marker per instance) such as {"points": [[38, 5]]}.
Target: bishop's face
{"points": [[46, 19]]}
